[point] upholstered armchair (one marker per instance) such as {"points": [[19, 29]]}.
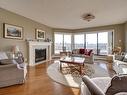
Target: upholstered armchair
{"points": [[11, 71]]}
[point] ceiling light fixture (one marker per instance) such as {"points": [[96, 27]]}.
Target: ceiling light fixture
{"points": [[88, 17]]}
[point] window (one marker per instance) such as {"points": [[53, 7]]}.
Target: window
{"points": [[67, 42], [58, 43], [103, 43], [100, 42], [79, 41], [91, 42], [62, 42]]}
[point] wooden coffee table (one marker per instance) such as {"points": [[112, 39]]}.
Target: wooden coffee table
{"points": [[78, 61]]}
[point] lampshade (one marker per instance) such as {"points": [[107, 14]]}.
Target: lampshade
{"points": [[15, 49]]}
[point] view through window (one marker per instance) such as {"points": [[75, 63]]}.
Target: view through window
{"points": [[100, 42], [79, 41], [62, 42]]}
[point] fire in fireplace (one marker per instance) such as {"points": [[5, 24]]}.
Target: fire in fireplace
{"points": [[40, 55]]}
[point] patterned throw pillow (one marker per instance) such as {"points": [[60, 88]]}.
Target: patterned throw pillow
{"points": [[20, 58], [81, 51], [89, 52], [119, 57]]}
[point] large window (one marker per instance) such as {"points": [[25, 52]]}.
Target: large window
{"points": [[79, 41], [100, 42], [67, 42], [58, 43], [91, 42], [62, 42], [103, 43]]}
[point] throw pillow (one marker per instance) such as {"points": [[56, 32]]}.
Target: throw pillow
{"points": [[119, 57], [89, 52], [81, 51], [85, 51], [118, 84], [20, 60]]}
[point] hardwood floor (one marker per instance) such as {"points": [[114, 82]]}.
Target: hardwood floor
{"points": [[38, 83]]}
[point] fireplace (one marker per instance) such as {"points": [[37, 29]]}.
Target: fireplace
{"points": [[40, 55], [33, 45]]}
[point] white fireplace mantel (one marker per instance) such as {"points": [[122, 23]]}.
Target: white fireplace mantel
{"points": [[38, 45]]}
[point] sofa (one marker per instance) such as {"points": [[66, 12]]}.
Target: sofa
{"points": [[87, 53], [104, 86], [120, 64], [11, 71]]}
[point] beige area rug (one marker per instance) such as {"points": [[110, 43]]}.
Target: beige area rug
{"points": [[71, 80]]}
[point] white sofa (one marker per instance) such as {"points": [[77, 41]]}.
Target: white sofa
{"points": [[119, 66], [88, 58], [13, 73]]}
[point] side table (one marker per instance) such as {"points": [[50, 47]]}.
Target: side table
{"points": [[110, 58]]}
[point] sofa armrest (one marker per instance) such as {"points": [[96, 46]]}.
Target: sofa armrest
{"points": [[93, 88]]}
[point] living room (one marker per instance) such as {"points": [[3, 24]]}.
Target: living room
{"points": [[40, 41]]}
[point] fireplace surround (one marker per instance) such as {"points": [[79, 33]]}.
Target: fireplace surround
{"points": [[34, 47]]}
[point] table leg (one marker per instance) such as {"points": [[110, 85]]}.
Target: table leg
{"points": [[60, 66], [80, 69]]}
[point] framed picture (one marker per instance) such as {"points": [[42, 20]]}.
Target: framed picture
{"points": [[13, 31], [40, 34]]}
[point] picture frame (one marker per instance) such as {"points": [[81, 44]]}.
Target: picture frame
{"points": [[12, 31], [40, 34]]}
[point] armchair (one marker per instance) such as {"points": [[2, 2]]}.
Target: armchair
{"points": [[11, 72]]}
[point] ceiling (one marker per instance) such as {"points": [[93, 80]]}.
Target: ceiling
{"points": [[67, 13]]}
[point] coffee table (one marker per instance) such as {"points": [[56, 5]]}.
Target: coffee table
{"points": [[78, 61]]}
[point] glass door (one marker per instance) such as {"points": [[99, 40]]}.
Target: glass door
{"points": [[79, 41], [103, 43], [67, 42], [91, 42], [58, 43]]}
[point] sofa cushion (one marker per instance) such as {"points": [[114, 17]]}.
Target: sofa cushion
{"points": [[75, 51], [7, 61], [3, 55], [93, 88], [118, 84]]}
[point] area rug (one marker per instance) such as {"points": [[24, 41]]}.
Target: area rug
{"points": [[70, 79]]}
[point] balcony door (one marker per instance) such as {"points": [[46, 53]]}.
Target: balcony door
{"points": [[103, 43], [62, 42], [79, 41], [91, 42], [67, 42], [58, 46]]}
